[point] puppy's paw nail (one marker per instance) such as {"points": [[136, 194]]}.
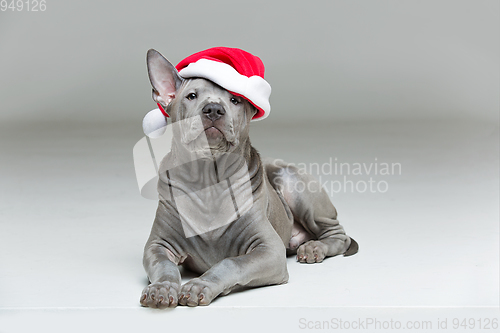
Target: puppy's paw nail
{"points": [[201, 297], [171, 299], [153, 297], [143, 297]]}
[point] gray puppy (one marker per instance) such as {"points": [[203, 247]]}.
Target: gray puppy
{"points": [[223, 211]]}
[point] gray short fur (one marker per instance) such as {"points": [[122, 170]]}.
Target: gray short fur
{"points": [[251, 250]]}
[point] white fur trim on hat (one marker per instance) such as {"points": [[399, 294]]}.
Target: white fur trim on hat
{"points": [[253, 88]]}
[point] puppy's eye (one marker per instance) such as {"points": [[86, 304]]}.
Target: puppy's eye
{"points": [[191, 96], [234, 101]]}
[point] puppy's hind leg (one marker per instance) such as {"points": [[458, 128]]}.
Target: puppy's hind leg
{"points": [[315, 213]]}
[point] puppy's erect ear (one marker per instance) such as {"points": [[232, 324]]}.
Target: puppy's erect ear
{"points": [[163, 76]]}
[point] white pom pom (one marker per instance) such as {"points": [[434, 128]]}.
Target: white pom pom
{"points": [[154, 123]]}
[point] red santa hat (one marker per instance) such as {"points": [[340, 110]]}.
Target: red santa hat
{"points": [[239, 72]]}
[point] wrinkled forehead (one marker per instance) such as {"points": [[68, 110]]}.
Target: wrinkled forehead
{"points": [[202, 86]]}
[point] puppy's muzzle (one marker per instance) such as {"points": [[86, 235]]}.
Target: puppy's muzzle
{"points": [[213, 111]]}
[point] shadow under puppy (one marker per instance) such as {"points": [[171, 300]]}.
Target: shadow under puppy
{"points": [[223, 211]]}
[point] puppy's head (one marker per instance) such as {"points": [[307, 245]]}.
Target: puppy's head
{"points": [[207, 113]]}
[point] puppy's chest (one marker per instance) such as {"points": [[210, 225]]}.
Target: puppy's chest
{"points": [[231, 240], [205, 204]]}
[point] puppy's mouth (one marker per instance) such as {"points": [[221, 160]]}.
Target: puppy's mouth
{"points": [[197, 134], [213, 132]]}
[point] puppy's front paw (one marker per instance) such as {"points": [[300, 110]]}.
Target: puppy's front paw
{"points": [[198, 292], [311, 252], [160, 295]]}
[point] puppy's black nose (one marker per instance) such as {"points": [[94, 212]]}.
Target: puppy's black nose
{"points": [[213, 111]]}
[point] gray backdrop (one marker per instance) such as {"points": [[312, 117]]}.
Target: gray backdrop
{"points": [[338, 59]]}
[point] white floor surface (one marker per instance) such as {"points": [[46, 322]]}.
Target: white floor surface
{"points": [[73, 227]]}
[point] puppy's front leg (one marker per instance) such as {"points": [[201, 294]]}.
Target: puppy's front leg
{"points": [[164, 276], [264, 265]]}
